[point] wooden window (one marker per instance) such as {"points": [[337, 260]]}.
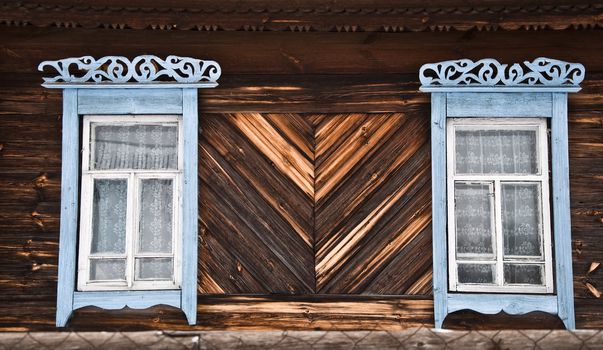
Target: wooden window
{"points": [[499, 230], [130, 216], [128, 255], [482, 259]]}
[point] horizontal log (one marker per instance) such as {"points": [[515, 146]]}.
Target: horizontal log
{"points": [[291, 53], [285, 313], [355, 16]]}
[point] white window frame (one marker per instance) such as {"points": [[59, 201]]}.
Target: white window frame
{"points": [[133, 176], [542, 178]]}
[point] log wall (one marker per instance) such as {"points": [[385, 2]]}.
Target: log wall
{"points": [[314, 176]]}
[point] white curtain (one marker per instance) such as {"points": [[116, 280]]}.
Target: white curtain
{"points": [[148, 147], [107, 269], [109, 216], [154, 268], [156, 212], [134, 147], [473, 215], [524, 274], [521, 219], [496, 152], [476, 273]]}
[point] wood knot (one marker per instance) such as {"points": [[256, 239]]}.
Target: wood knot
{"points": [[36, 217], [41, 180]]}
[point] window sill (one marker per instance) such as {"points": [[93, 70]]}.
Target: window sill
{"points": [[512, 304], [140, 299]]}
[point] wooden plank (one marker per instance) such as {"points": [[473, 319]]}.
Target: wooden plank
{"points": [[256, 211], [292, 53], [261, 5], [190, 209], [372, 203], [128, 101], [69, 207], [509, 303], [439, 217], [561, 210], [308, 16], [131, 299], [318, 312], [498, 104], [281, 93]]}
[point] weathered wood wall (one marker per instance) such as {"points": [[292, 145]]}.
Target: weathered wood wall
{"points": [[314, 173]]}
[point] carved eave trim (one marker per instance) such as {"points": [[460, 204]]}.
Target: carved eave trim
{"points": [[489, 75], [146, 71]]}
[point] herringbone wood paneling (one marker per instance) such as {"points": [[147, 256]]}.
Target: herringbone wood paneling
{"points": [[256, 204], [336, 203], [372, 204]]}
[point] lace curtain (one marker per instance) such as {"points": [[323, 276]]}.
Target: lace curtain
{"points": [[498, 152], [108, 228], [109, 216], [473, 214], [134, 147], [155, 228], [148, 147]]}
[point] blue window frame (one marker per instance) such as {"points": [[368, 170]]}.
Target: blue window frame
{"points": [[491, 90], [112, 86]]}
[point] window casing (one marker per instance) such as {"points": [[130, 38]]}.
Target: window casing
{"points": [[499, 230], [137, 87], [130, 220], [525, 91]]}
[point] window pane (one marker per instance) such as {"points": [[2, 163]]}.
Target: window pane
{"points": [[521, 219], [154, 268], [523, 274], [473, 215], [476, 273], [156, 213], [109, 215], [134, 147], [496, 152], [107, 269]]}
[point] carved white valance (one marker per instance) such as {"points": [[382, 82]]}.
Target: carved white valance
{"points": [[489, 73], [86, 71]]}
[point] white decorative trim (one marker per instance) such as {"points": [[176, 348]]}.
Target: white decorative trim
{"points": [[542, 72], [142, 69]]}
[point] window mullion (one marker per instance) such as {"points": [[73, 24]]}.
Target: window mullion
{"points": [[451, 210], [130, 228], [498, 232]]}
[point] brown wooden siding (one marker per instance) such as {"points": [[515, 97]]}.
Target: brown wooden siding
{"points": [[373, 206], [256, 200], [290, 144]]}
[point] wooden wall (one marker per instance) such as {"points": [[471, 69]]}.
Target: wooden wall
{"points": [[314, 173]]}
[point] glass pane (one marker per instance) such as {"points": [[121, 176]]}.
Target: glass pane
{"points": [[476, 273], [156, 213], [154, 268], [473, 215], [496, 152], [523, 274], [521, 219], [107, 269], [109, 215], [134, 147]]}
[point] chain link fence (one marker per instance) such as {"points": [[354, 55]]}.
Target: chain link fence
{"points": [[417, 338]]}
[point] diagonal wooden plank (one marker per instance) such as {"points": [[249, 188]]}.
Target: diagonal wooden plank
{"points": [[352, 151], [276, 148], [259, 221], [373, 172], [298, 130], [374, 216]]}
